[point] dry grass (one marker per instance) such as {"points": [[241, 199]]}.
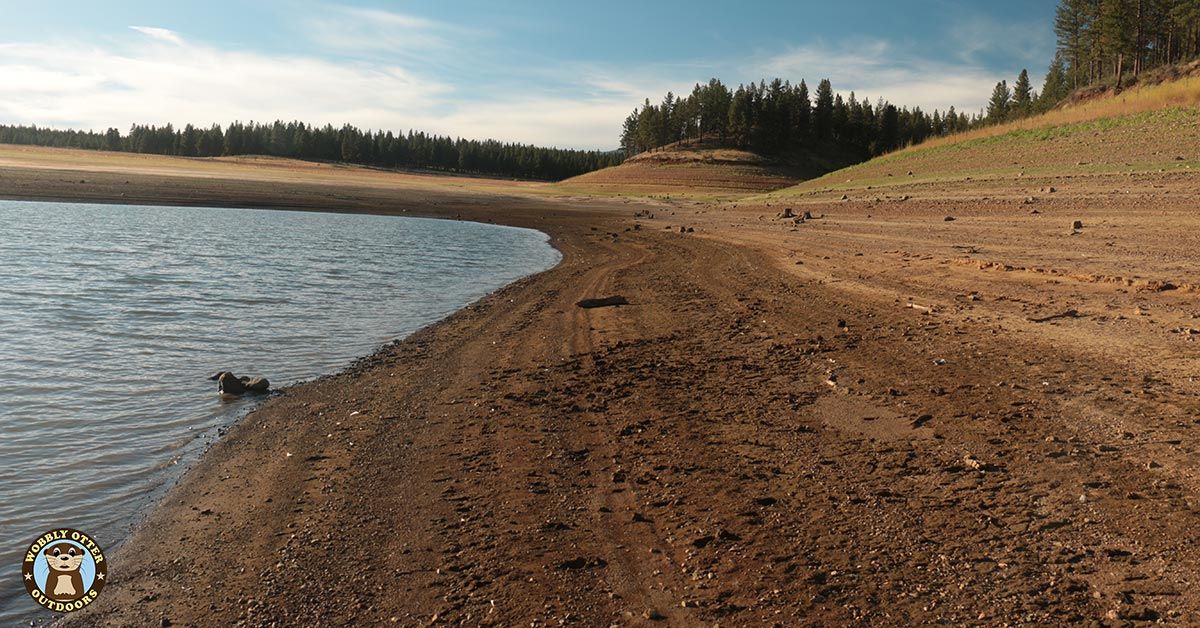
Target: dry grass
{"points": [[1183, 93], [248, 168], [1153, 128]]}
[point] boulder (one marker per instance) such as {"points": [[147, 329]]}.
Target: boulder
{"points": [[229, 384], [257, 384]]}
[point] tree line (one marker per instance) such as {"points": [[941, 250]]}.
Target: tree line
{"points": [[1021, 101], [777, 117], [1103, 41], [348, 144], [1099, 40]]}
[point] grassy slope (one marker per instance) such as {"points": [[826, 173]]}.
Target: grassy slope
{"points": [[1151, 129], [707, 171]]}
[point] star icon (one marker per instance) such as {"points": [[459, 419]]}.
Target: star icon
{"points": [[29, 576], [99, 575]]}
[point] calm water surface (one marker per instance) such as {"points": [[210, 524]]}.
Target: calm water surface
{"points": [[111, 317]]}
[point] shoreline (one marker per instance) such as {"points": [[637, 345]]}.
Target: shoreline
{"points": [[201, 449], [447, 206]]}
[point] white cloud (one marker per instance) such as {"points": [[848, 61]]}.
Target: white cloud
{"points": [[85, 86], [386, 70], [161, 34], [878, 69], [160, 77], [562, 122]]}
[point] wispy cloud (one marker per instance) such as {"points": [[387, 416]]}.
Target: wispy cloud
{"points": [[361, 31], [161, 34], [879, 69], [976, 40]]}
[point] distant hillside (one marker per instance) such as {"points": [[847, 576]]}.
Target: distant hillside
{"points": [[710, 168], [1151, 128]]}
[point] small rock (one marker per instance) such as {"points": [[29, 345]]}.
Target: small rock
{"points": [[949, 219], [613, 301], [726, 535], [653, 615], [1077, 225], [581, 563]]}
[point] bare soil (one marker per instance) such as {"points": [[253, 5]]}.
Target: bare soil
{"points": [[709, 170], [877, 416]]}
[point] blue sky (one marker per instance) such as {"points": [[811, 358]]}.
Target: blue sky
{"points": [[554, 73]]}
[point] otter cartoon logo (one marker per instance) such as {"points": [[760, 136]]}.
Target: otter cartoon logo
{"points": [[64, 570]]}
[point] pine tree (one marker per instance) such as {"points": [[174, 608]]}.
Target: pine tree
{"points": [[823, 111], [1116, 36], [1055, 88], [889, 130], [1022, 102], [802, 114], [1071, 23], [629, 135], [998, 106]]}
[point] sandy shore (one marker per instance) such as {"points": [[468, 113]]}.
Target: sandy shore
{"points": [[879, 416]]}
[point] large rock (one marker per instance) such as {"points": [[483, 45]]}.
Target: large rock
{"points": [[230, 384], [257, 384]]}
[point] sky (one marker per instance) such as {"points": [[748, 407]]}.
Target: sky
{"points": [[550, 72]]}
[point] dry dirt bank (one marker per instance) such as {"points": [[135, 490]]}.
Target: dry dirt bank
{"points": [[850, 420]]}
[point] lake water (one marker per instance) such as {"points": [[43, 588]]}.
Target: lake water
{"points": [[111, 317]]}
